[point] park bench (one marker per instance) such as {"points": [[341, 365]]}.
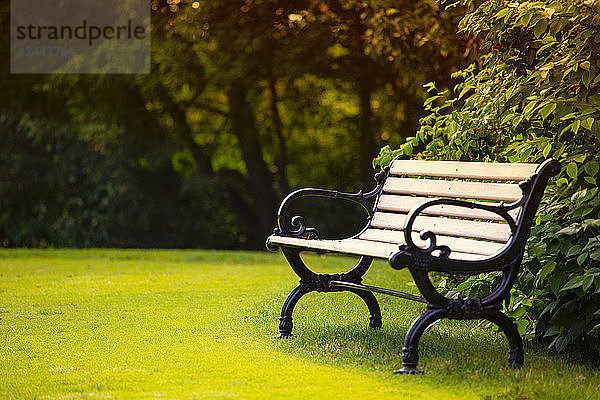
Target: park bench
{"points": [[443, 216]]}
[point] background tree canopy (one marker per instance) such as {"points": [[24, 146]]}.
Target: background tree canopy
{"points": [[246, 99], [533, 93]]}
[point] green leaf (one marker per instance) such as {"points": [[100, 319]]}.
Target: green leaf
{"points": [[573, 283], [591, 168], [582, 257], [430, 100], [553, 330], [595, 255], [546, 270], [555, 281], [575, 126], [570, 230], [587, 123], [568, 116], [561, 181], [587, 282], [583, 211], [583, 195], [525, 17], [464, 91], [430, 86], [546, 110], [522, 325], [502, 13], [527, 111], [540, 27], [572, 170], [559, 152], [596, 129], [507, 118], [588, 111], [585, 65], [513, 91], [574, 250], [586, 78], [561, 342], [547, 150], [517, 120], [541, 49]]}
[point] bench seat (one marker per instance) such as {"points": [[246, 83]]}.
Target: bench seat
{"points": [[365, 247]]}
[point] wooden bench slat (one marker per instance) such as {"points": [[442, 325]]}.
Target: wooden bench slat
{"points": [[400, 203], [455, 244], [445, 226], [356, 247], [455, 189], [349, 246], [467, 170]]}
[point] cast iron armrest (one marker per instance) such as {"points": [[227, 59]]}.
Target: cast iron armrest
{"points": [[296, 226], [411, 255]]}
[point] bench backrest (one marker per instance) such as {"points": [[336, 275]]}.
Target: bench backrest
{"points": [[474, 231]]}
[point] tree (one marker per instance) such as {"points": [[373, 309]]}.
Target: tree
{"points": [[250, 99]]}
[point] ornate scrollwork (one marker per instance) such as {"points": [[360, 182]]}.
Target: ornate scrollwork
{"points": [[322, 284], [299, 229], [428, 235], [445, 251], [465, 309], [296, 226], [421, 257]]}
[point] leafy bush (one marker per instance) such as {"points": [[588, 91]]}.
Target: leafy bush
{"points": [[531, 95], [58, 188]]}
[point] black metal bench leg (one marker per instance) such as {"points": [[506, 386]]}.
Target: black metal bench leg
{"points": [[310, 281], [410, 351], [355, 275], [285, 321], [373, 305], [515, 344]]}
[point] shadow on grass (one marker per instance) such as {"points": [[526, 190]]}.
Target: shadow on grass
{"points": [[459, 355], [335, 328], [441, 350]]}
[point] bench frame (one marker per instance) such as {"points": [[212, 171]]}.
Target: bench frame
{"points": [[420, 262]]}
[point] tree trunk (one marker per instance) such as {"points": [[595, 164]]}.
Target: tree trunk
{"points": [[237, 189], [259, 178], [281, 158], [368, 148]]}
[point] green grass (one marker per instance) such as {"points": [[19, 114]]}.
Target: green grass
{"points": [[200, 324]]}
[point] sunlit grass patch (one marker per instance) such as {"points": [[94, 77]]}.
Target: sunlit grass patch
{"points": [[200, 324]]}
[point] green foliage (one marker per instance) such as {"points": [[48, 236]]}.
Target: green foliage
{"points": [[531, 95], [245, 101], [59, 189]]}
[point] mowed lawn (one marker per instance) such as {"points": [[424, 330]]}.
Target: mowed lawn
{"points": [[154, 324]]}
